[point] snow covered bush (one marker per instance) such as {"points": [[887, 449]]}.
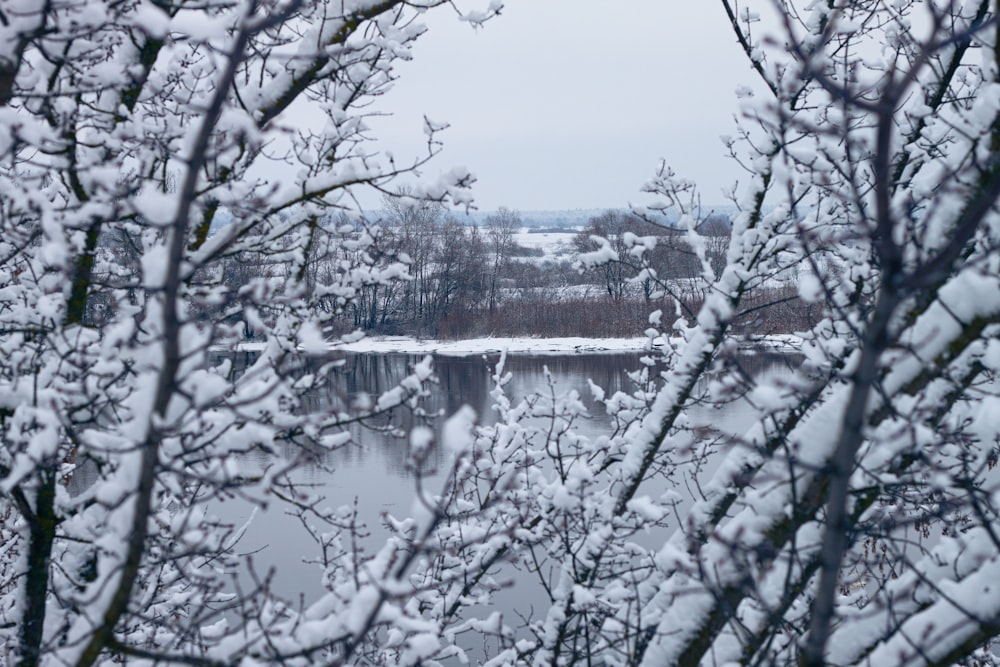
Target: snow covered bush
{"points": [[854, 521]]}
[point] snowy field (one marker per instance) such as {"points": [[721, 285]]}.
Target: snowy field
{"points": [[553, 244]]}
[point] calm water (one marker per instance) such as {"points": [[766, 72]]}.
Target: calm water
{"points": [[376, 473]]}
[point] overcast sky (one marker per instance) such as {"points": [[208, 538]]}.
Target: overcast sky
{"points": [[561, 104]]}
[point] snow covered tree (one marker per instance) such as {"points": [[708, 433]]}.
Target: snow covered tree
{"points": [[854, 521], [136, 143]]}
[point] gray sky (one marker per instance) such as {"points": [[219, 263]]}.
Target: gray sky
{"points": [[562, 104]]}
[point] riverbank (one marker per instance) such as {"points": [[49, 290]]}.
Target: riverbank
{"points": [[527, 345]]}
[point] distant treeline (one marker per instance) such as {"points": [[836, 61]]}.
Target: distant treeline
{"points": [[428, 274]]}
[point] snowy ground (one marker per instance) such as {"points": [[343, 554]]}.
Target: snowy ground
{"points": [[554, 244], [521, 345]]}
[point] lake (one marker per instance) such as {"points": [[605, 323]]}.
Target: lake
{"points": [[376, 472]]}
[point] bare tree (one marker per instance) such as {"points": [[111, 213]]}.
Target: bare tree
{"points": [[459, 269], [605, 234], [500, 229]]}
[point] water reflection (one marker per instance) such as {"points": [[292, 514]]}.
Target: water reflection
{"points": [[376, 471]]}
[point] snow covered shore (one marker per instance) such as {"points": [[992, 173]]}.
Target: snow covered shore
{"points": [[525, 345]]}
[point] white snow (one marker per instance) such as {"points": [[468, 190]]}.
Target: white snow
{"points": [[517, 345]]}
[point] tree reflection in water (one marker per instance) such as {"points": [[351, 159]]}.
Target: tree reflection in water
{"points": [[376, 472]]}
